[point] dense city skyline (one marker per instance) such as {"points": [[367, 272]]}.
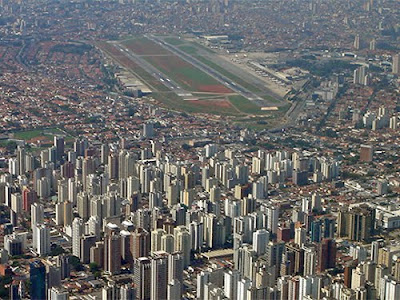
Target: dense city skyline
{"points": [[219, 149]]}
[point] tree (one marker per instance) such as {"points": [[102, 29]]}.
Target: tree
{"points": [[11, 146], [56, 250], [186, 147], [4, 280], [75, 262], [95, 269]]}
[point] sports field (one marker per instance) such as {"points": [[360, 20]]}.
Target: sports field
{"points": [[40, 138], [44, 134]]}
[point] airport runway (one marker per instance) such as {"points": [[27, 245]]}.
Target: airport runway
{"points": [[170, 84], [221, 78]]}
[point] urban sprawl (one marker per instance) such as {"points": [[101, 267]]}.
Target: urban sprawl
{"points": [[216, 149]]}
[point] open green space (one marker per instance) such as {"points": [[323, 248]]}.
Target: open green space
{"points": [[189, 49], [45, 135], [132, 67], [206, 95], [198, 45], [284, 108], [230, 75], [208, 90], [186, 75], [27, 135], [195, 75], [174, 41], [148, 79], [271, 99], [203, 106], [255, 124], [193, 51], [267, 121], [245, 105], [144, 46], [35, 133]]}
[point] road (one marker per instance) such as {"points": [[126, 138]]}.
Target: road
{"points": [[213, 73], [297, 107]]}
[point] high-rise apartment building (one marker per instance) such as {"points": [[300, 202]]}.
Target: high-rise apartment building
{"points": [[140, 243], [37, 277], [159, 276], [41, 239], [77, 231], [396, 64], [59, 145], [112, 249], [357, 223], [142, 277], [326, 255], [356, 44], [366, 153]]}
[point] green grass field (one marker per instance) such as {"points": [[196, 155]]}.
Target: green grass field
{"points": [[27, 135], [149, 79], [285, 108], [194, 51], [198, 45], [132, 67], [209, 91], [194, 75], [206, 95], [258, 124], [189, 49], [228, 74], [35, 133], [174, 41], [144, 46], [245, 105], [270, 99], [186, 75], [203, 106], [44, 134]]}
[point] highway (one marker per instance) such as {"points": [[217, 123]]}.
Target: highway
{"points": [[170, 84], [296, 109], [213, 73]]}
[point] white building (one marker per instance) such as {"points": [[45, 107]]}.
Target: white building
{"points": [[41, 239]]}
